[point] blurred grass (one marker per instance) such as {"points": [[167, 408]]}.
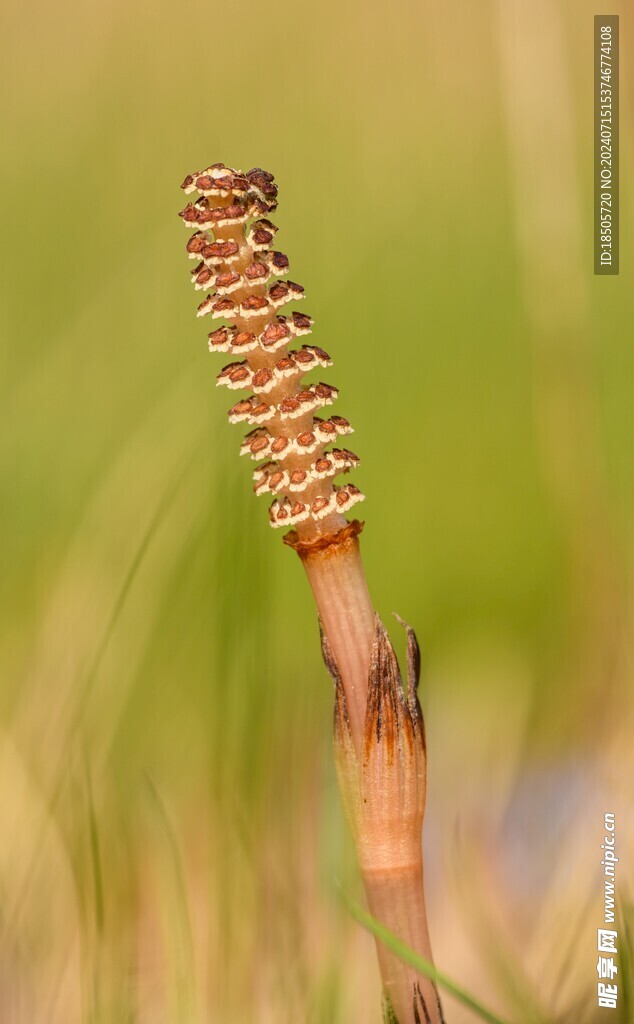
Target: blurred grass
{"points": [[422, 966], [401, 207]]}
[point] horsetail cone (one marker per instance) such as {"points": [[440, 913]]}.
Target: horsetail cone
{"points": [[378, 728], [288, 436]]}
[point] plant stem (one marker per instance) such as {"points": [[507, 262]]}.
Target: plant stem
{"points": [[379, 734], [336, 576], [381, 761], [396, 898]]}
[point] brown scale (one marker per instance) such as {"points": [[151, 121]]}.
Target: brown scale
{"points": [[235, 252]]}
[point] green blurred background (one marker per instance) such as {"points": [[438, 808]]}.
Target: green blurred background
{"points": [[172, 840]]}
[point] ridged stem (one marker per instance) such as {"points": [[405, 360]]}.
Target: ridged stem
{"points": [[336, 576], [396, 898], [381, 762], [379, 734]]}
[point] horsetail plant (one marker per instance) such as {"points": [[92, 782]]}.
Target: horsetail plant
{"points": [[379, 735]]}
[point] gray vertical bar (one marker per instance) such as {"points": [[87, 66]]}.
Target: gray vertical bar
{"points": [[606, 144]]}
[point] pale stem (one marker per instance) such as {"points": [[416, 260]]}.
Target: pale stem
{"points": [[394, 888], [338, 582], [397, 899], [329, 550]]}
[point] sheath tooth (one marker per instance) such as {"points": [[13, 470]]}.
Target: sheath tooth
{"points": [[314, 397], [261, 412], [309, 356], [256, 273], [216, 180], [270, 477], [322, 468], [254, 305], [261, 444], [331, 464], [287, 513], [190, 215], [264, 380], [277, 262], [198, 241], [251, 411], [260, 235], [226, 282], [200, 214], [341, 425], [299, 480], [230, 339], [188, 185], [262, 472], [282, 446], [326, 393], [322, 506], [344, 459], [275, 335], [327, 430], [307, 442], [299, 362], [244, 341], [256, 206], [206, 185], [223, 307], [299, 512], [236, 375], [301, 324], [257, 444], [279, 513], [205, 305], [201, 276], [241, 411], [262, 186], [347, 496], [284, 291], [222, 339], [261, 478], [226, 216], [278, 480], [286, 367], [218, 307], [290, 408], [215, 254]]}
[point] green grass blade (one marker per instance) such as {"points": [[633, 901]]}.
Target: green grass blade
{"points": [[185, 957], [95, 857], [408, 956], [85, 686]]}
